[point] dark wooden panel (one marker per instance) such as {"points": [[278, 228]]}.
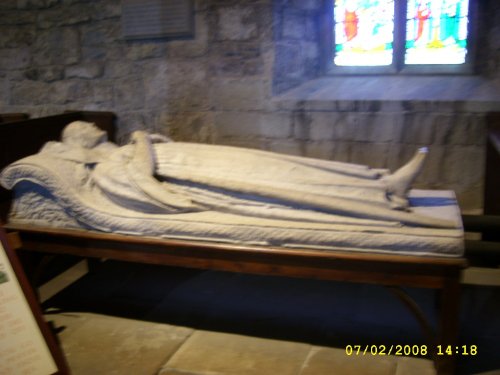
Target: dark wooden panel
{"points": [[492, 172], [492, 176], [11, 117]]}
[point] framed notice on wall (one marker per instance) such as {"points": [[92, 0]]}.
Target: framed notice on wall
{"points": [[27, 345], [157, 18]]}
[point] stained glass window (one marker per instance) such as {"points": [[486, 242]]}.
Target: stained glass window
{"points": [[364, 32], [436, 31], [430, 32]]}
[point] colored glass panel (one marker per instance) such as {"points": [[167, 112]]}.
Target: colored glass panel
{"points": [[436, 31], [364, 32]]}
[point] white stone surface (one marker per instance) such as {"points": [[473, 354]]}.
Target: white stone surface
{"points": [[226, 194]]}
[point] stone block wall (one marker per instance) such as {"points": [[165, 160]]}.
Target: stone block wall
{"points": [[388, 137], [297, 42], [225, 85], [57, 55]]}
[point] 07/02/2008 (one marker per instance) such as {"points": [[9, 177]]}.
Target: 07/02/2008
{"points": [[415, 350]]}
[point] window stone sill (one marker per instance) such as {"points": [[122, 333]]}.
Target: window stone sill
{"points": [[393, 94]]}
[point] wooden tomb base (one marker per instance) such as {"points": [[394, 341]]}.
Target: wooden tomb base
{"points": [[438, 273]]}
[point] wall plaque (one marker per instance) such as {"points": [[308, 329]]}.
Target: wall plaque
{"points": [[27, 346], [157, 18]]}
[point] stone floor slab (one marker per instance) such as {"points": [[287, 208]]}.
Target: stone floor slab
{"points": [[324, 360], [328, 315], [110, 345], [221, 353], [415, 366]]}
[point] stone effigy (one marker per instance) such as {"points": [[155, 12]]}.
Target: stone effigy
{"points": [[156, 187]]}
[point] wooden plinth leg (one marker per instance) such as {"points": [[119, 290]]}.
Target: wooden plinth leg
{"points": [[448, 326]]}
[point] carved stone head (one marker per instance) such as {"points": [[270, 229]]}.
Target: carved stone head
{"points": [[83, 134]]}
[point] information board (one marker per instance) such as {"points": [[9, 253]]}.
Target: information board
{"points": [[157, 18], [27, 345]]}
